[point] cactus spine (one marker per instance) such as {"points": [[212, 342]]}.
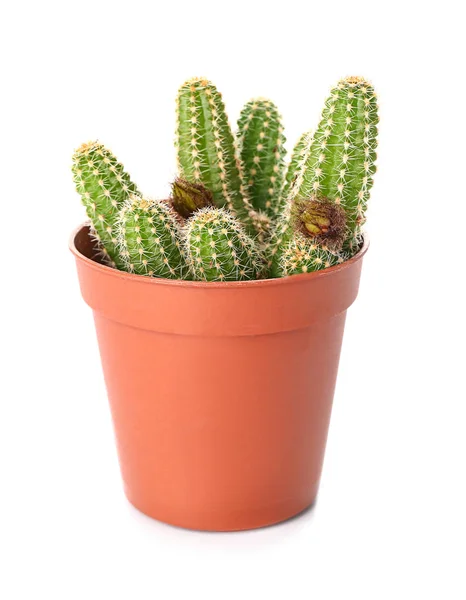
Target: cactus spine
{"points": [[340, 162], [218, 249], [261, 146], [303, 255], [104, 186], [149, 239]]}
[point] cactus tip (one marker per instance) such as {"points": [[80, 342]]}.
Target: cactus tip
{"points": [[87, 147], [353, 81], [143, 203], [196, 83]]}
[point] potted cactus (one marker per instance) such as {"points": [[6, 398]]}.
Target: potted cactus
{"points": [[220, 310]]}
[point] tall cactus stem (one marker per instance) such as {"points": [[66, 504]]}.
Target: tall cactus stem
{"points": [[261, 149], [340, 164], [205, 143], [103, 186]]}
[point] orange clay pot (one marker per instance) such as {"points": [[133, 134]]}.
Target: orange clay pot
{"points": [[220, 393]]}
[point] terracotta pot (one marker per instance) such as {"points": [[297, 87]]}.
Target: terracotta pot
{"points": [[220, 393]]}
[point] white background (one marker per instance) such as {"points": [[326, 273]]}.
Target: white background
{"points": [[390, 518]]}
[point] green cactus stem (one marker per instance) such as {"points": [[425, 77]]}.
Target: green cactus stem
{"points": [[340, 161], [218, 248], [261, 147], [295, 163], [206, 151], [149, 239], [103, 186], [205, 144], [188, 197], [302, 255]]}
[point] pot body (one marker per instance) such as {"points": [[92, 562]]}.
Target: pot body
{"points": [[220, 394]]}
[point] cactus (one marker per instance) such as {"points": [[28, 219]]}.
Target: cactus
{"points": [[302, 255], [206, 151], [340, 161], [188, 197], [149, 239], [104, 186], [234, 212], [261, 147], [218, 248], [295, 163]]}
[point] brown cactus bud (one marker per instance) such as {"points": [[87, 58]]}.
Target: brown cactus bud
{"points": [[322, 219], [189, 197]]}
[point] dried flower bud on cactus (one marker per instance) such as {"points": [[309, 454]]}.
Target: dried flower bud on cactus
{"points": [[187, 197], [321, 219]]}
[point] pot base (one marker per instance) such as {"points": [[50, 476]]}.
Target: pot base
{"points": [[238, 522]]}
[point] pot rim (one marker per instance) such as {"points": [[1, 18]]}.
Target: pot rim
{"points": [[287, 280]]}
